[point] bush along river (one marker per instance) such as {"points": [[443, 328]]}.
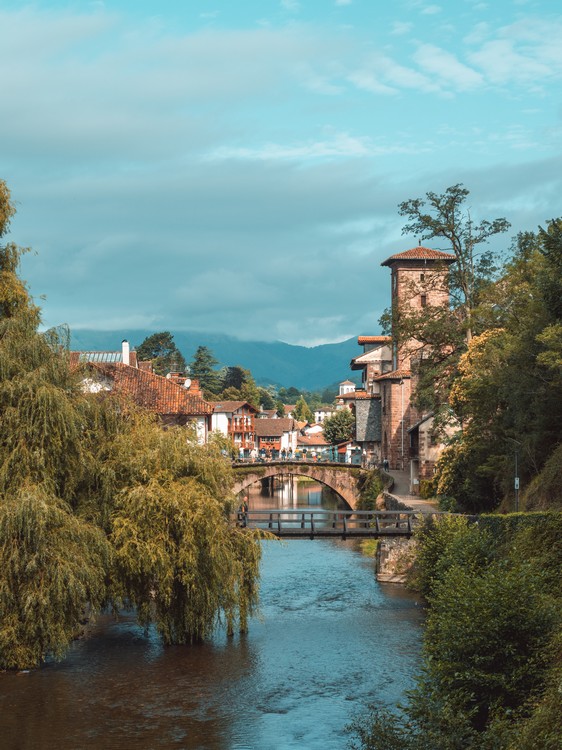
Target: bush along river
{"points": [[329, 641]]}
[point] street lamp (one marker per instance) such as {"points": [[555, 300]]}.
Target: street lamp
{"points": [[516, 477], [402, 413]]}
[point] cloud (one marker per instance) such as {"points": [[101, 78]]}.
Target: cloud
{"points": [[431, 10], [446, 68], [381, 74], [338, 146], [524, 53], [399, 28], [241, 179]]}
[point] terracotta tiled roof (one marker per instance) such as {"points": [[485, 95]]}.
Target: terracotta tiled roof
{"points": [[373, 340], [273, 427], [347, 396], [309, 440], [420, 253], [153, 392], [394, 375], [220, 407], [365, 395]]}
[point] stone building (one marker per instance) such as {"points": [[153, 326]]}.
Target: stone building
{"points": [[389, 426]]}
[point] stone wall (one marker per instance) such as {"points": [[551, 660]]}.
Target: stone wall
{"points": [[368, 420], [395, 558]]}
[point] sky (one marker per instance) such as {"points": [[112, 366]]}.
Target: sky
{"points": [[236, 167]]}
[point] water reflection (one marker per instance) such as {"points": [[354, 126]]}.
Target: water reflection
{"points": [[329, 640]]}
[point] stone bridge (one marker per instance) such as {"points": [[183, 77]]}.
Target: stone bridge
{"points": [[342, 478]]}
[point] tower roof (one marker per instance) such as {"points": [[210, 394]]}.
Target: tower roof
{"points": [[420, 253]]}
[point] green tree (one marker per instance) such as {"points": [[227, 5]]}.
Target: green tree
{"points": [[203, 367], [445, 217], [507, 392], [239, 385], [289, 395], [99, 505], [180, 561], [436, 334], [491, 653], [302, 412], [52, 563], [339, 427], [162, 351], [266, 399]]}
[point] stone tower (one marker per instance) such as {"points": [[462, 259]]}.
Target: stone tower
{"points": [[418, 279]]}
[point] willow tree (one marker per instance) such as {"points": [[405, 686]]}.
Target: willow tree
{"points": [[179, 560], [52, 563], [99, 505]]}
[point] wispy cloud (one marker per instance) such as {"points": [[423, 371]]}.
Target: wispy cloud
{"points": [[431, 10], [399, 28], [447, 69], [340, 145]]}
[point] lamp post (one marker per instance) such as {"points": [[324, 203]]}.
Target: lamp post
{"points": [[402, 424], [517, 446]]}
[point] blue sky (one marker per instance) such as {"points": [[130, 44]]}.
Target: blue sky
{"points": [[237, 167]]}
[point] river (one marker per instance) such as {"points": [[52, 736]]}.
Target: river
{"points": [[329, 641]]}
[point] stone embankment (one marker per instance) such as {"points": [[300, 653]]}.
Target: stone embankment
{"points": [[395, 557]]}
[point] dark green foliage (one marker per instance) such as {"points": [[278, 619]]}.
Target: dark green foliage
{"points": [[99, 505], [53, 567], [202, 367], [302, 411], [492, 650], [339, 427], [370, 487], [161, 350]]}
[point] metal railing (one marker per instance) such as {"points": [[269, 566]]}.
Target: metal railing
{"points": [[331, 523]]}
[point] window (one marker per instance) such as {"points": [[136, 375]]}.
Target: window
{"points": [[423, 300], [422, 276]]}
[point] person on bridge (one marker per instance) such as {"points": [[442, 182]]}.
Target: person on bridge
{"points": [[243, 512]]}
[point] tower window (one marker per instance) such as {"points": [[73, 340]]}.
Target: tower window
{"points": [[423, 300], [422, 276]]}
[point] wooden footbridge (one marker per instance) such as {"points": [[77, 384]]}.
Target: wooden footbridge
{"points": [[343, 524]]}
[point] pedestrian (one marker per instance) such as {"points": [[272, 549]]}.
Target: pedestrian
{"points": [[283, 454], [243, 512]]}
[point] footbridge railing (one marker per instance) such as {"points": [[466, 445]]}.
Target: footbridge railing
{"points": [[309, 524]]}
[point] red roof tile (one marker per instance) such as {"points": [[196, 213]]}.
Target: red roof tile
{"points": [[373, 340], [394, 375], [420, 253], [273, 427], [310, 440], [153, 392], [220, 407]]}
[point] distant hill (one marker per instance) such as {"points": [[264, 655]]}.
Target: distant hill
{"points": [[271, 362]]}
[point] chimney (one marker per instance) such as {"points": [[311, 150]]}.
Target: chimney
{"points": [[125, 350], [195, 387]]}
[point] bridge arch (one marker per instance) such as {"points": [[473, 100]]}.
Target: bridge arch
{"points": [[342, 478]]}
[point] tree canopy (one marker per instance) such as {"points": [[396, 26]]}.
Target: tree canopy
{"points": [[339, 427], [161, 350], [99, 506]]}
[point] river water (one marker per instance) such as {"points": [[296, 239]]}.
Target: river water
{"points": [[329, 641]]}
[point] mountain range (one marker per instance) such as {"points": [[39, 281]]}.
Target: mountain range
{"points": [[270, 362]]}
